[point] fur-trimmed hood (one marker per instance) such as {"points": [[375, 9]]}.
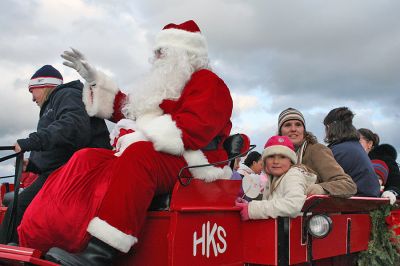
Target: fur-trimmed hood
{"points": [[388, 154], [382, 151]]}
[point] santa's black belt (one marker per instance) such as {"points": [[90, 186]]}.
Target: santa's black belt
{"points": [[213, 145]]}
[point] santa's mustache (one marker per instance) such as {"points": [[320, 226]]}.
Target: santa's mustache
{"points": [[166, 79]]}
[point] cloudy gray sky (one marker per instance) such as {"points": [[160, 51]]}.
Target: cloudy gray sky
{"points": [[311, 55]]}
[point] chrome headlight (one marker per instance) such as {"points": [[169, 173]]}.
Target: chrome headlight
{"points": [[319, 225]]}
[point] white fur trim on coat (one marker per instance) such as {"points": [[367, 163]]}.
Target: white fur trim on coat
{"points": [[127, 140], [207, 173], [99, 99], [193, 42], [111, 235], [167, 137], [163, 133]]}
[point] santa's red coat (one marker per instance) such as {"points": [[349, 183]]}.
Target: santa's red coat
{"points": [[99, 194]]}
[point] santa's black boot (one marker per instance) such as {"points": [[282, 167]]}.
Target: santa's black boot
{"points": [[96, 253]]}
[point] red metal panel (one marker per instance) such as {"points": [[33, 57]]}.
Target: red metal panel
{"points": [[359, 232], [20, 251], [206, 226], [152, 248], [326, 204], [297, 250], [207, 238], [260, 241], [201, 228], [4, 189], [2, 213], [199, 195], [10, 255], [335, 243]]}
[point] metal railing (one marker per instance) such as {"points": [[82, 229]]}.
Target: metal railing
{"points": [[18, 172]]}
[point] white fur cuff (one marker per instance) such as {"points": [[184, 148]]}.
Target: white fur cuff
{"points": [[111, 235], [163, 133], [207, 173], [99, 99]]}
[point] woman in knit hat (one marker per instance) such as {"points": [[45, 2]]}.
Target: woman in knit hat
{"points": [[343, 140], [285, 192], [331, 179]]}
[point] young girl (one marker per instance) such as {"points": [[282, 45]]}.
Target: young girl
{"points": [[251, 165], [285, 192]]}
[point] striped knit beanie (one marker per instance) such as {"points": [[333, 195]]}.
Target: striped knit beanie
{"points": [[381, 170], [46, 76], [290, 114]]}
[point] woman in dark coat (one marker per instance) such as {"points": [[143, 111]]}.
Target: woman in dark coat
{"points": [[343, 140]]}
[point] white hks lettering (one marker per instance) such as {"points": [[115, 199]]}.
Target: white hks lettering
{"points": [[211, 239]]}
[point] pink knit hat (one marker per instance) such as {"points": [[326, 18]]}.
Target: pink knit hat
{"points": [[280, 145]]}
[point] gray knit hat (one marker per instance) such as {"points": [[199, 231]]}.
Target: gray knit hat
{"points": [[290, 114]]}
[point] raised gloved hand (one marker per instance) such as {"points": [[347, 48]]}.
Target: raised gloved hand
{"points": [[315, 189], [244, 208], [390, 195], [126, 140], [76, 60]]}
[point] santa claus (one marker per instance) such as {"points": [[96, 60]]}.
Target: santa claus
{"points": [[177, 116]]}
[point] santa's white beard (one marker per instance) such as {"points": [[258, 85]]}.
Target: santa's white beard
{"points": [[166, 80]]}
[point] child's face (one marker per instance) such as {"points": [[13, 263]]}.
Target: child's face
{"points": [[257, 166], [277, 165]]}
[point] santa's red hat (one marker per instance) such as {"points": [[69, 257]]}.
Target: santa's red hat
{"points": [[186, 35]]}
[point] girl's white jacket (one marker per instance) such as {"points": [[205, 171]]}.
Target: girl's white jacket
{"points": [[283, 196]]}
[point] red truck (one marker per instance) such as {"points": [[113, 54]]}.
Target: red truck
{"points": [[198, 224]]}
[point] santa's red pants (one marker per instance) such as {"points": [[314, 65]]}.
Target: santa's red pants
{"points": [[139, 174], [95, 185]]}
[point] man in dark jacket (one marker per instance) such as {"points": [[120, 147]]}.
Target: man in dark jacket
{"points": [[63, 128]]}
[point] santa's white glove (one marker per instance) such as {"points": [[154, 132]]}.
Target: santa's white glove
{"points": [[123, 124], [390, 195], [76, 60], [126, 140]]}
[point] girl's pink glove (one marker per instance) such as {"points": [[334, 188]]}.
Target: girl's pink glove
{"points": [[244, 208]]}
